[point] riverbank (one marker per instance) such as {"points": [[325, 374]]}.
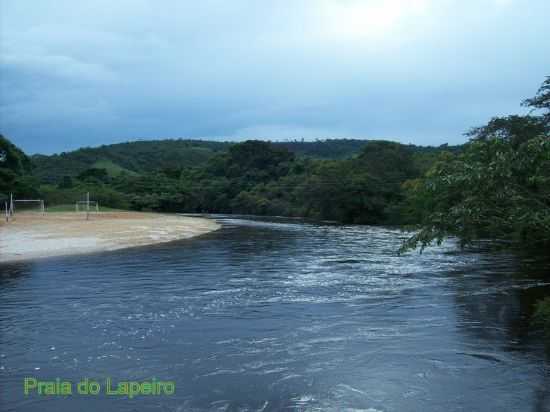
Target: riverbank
{"points": [[32, 235]]}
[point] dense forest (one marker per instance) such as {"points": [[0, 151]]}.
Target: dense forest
{"points": [[348, 181], [140, 157]]}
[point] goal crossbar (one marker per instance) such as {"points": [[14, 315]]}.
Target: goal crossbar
{"points": [[86, 203], [14, 201]]}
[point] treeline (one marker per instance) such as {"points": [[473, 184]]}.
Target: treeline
{"points": [[257, 177], [253, 177], [140, 157], [495, 187]]}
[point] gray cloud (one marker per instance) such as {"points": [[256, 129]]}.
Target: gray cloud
{"points": [[422, 71]]}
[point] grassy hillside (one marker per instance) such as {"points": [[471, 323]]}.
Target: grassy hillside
{"points": [[131, 157], [112, 168]]}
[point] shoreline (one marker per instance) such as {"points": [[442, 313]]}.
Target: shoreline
{"points": [[32, 236]]}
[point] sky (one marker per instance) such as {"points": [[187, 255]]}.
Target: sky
{"points": [[87, 73]]}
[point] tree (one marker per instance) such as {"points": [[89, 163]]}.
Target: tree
{"points": [[94, 175], [541, 101], [15, 169], [515, 129], [498, 188]]}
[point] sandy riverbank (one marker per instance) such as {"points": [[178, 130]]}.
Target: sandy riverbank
{"points": [[32, 235]]}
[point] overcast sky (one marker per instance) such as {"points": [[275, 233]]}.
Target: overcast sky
{"points": [[85, 73]]}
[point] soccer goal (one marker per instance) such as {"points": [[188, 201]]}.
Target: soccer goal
{"points": [[26, 205], [85, 205], [82, 205]]}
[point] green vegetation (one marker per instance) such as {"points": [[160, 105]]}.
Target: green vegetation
{"points": [[112, 168], [130, 158], [143, 157], [324, 149], [257, 177], [15, 168], [497, 188], [252, 177]]}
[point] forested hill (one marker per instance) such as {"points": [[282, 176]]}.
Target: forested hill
{"points": [[257, 177], [324, 149], [130, 157], [174, 154]]}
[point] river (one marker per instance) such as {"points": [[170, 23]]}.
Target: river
{"points": [[278, 314]]}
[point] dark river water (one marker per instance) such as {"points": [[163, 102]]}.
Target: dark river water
{"points": [[269, 315]]}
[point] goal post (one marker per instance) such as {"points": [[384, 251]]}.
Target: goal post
{"points": [[86, 205], [24, 202], [83, 204]]}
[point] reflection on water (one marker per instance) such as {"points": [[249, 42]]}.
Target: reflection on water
{"points": [[272, 315]]}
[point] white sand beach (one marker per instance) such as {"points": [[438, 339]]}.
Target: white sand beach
{"points": [[33, 235]]}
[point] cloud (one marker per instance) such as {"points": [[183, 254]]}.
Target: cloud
{"points": [[58, 68], [423, 71]]}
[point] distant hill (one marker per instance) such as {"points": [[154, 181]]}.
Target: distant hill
{"points": [[140, 157], [131, 158], [325, 149]]}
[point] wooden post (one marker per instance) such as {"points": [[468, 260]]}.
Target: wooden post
{"points": [[7, 213], [11, 204], [88, 206]]}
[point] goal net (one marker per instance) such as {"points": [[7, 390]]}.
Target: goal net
{"points": [[82, 206], [26, 205]]}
